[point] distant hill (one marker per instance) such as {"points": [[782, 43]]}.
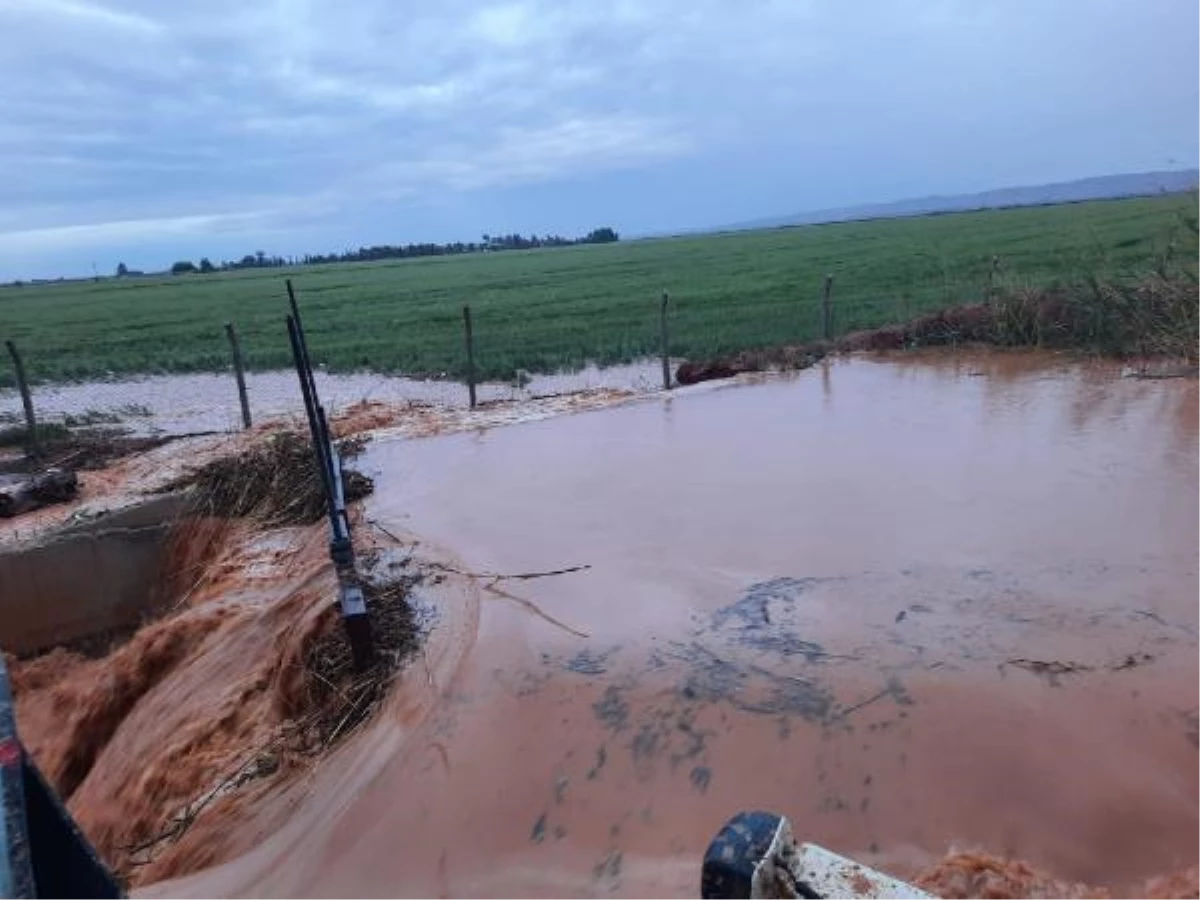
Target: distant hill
{"points": [[1104, 187]]}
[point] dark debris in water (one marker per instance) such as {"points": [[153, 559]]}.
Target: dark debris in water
{"points": [[589, 662], [601, 759], [712, 678], [612, 709], [538, 833], [670, 732], [760, 619], [608, 870], [894, 689], [1052, 670]]}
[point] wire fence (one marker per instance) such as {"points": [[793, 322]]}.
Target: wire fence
{"points": [[245, 382]]}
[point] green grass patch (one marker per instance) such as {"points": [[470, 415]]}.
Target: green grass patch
{"points": [[549, 309]]}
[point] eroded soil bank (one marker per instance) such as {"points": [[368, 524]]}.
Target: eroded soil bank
{"points": [[919, 605]]}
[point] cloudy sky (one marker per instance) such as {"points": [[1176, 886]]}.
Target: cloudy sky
{"points": [[152, 130]]}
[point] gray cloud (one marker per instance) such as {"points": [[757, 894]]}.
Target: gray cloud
{"points": [[142, 129]]}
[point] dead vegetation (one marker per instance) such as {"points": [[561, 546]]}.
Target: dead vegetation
{"points": [[58, 446], [275, 482], [332, 699]]}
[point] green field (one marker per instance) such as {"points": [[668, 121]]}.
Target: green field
{"points": [[550, 309]]}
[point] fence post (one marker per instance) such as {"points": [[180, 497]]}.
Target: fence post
{"points": [[470, 338], [827, 309], [666, 343], [992, 278], [239, 373], [26, 398]]}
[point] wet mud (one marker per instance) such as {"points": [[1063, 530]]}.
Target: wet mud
{"points": [[939, 611]]}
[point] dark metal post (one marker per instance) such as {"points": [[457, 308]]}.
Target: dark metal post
{"points": [[310, 410], [827, 309], [470, 354], [239, 373], [329, 465], [26, 397], [308, 373], [666, 343]]}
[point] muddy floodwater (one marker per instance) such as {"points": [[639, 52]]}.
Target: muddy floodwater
{"points": [[916, 605], [183, 404]]}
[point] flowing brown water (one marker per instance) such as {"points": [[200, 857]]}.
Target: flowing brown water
{"points": [[918, 605]]}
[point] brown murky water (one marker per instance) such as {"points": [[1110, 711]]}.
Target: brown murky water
{"points": [[815, 594], [917, 605]]}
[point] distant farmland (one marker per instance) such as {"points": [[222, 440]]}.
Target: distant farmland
{"points": [[549, 309]]}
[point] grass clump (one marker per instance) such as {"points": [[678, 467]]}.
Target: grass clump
{"points": [[338, 698], [1153, 312], [276, 482]]}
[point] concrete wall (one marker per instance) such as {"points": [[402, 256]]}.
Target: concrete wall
{"points": [[85, 580]]}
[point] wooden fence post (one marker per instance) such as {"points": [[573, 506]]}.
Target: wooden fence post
{"points": [[26, 398], [827, 309], [239, 373], [470, 338], [666, 343], [992, 278]]}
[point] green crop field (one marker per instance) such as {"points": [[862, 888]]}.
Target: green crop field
{"points": [[550, 309]]}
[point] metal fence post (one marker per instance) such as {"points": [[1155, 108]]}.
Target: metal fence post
{"points": [[351, 599], [666, 343], [239, 373], [827, 309], [26, 397], [470, 339]]}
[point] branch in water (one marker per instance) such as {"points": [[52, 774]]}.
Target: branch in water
{"points": [[495, 576]]}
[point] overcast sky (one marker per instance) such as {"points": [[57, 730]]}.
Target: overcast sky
{"points": [[149, 130]]}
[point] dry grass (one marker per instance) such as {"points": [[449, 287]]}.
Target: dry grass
{"points": [[58, 446], [276, 482], [334, 699]]}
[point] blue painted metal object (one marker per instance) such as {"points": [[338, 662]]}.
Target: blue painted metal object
{"points": [[42, 851]]}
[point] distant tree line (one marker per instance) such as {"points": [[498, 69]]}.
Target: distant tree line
{"points": [[489, 243]]}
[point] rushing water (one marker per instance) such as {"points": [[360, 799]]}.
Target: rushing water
{"points": [[915, 605]]}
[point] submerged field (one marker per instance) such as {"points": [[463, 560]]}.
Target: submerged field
{"points": [[549, 309]]}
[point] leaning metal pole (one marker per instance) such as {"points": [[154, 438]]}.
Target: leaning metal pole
{"points": [[329, 465]]}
